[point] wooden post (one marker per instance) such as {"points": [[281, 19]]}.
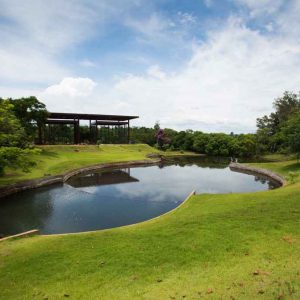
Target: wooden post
{"points": [[128, 132], [96, 132], [78, 133], [74, 132], [90, 138]]}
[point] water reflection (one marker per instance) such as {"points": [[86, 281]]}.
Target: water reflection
{"points": [[118, 197], [99, 178]]}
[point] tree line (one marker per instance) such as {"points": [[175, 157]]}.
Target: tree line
{"points": [[278, 132]]}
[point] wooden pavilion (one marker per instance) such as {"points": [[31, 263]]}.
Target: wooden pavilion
{"points": [[102, 128]]}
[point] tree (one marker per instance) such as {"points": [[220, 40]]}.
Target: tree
{"points": [[286, 105], [200, 141], [269, 127], [13, 140], [160, 135], [291, 132], [143, 135], [30, 112], [12, 134], [156, 126]]}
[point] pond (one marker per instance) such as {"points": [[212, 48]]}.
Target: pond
{"points": [[111, 198]]}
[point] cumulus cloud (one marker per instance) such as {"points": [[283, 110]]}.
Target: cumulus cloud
{"points": [[229, 81], [231, 78], [35, 34], [71, 87], [156, 72]]}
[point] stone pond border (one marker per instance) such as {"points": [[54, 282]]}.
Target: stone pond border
{"points": [[31, 184], [253, 170], [36, 183]]}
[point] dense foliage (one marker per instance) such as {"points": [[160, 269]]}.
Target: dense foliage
{"points": [[12, 134], [274, 132], [30, 113], [15, 150], [14, 157], [216, 144], [291, 133], [277, 132]]}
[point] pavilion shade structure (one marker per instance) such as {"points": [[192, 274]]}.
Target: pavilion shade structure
{"points": [[64, 128]]}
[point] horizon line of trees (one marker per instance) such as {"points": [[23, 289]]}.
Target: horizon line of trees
{"points": [[278, 132]]}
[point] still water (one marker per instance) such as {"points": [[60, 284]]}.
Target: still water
{"points": [[112, 198]]}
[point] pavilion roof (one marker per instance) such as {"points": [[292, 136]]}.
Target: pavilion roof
{"points": [[79, 116]]}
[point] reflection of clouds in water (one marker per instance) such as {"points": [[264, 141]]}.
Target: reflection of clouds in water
{"points": [[94, 204], [153, 193], [177, 182], [174, 183]]}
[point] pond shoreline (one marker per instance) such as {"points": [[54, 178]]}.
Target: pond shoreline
{"points": [[236, 167], [49, 180]]}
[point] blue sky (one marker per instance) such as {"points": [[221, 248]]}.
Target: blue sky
{"points": [[208, 65]]}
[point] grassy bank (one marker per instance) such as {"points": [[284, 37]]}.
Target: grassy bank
{"points": [[59, 159], [237, 246]]}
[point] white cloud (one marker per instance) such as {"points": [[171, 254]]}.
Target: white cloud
{"points": [[156, 72], [270, 27], [288, 21], [163, 32], [57, 24], [11, 92], [154, 26], [71, 87], [186, 18], [36, 34], [28, 65], [229, 81]]}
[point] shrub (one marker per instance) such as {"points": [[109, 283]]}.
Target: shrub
{"points": [[14, 157]]}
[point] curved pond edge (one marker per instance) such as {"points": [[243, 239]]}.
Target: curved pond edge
{"points": [[241, 168], [37, 232], [45, 181], [31, 184]]}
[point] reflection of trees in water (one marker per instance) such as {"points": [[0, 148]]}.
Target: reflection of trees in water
{"points": [[203, 161], [260, 179], [25, 211], [271, 183]]}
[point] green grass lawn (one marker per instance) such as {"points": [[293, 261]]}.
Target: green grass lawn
{"points": [[235, 246], [59, 159]]}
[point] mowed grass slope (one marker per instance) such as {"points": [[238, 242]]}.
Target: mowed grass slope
{"points": [[58, 159], [236, 246]]}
